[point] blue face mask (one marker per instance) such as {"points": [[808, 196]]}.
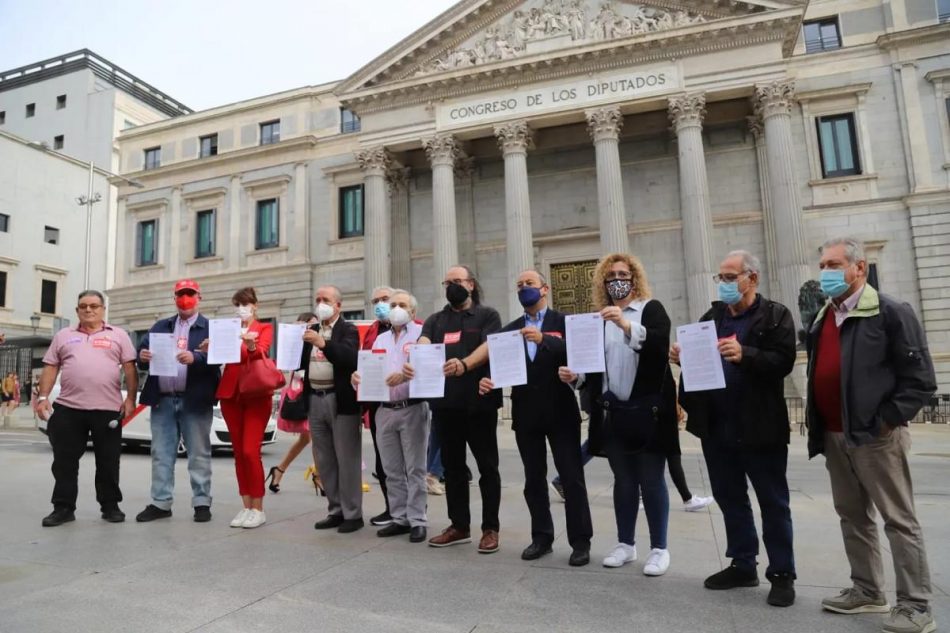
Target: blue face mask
{"points": [[833, 283], [528, 296], [729, 292], [381, 310]]}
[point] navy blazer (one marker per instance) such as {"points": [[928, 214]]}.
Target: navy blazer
{"points": [[202, 380]]}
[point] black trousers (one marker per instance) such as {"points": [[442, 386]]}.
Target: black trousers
{"points": [[479, 430], [565, 440], [674, 463], [380, 473], [69, 430]]}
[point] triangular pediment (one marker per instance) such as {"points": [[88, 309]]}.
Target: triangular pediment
{"points": [[481, 33]]}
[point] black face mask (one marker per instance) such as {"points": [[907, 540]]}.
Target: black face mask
{"points": [[456, 294]]}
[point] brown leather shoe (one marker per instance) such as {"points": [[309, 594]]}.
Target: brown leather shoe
{"points": [[489, 542], [451, 536]]}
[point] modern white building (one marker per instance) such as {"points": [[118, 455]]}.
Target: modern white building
{"points": [[509, 134]]}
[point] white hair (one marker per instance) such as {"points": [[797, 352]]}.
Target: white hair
{"points": [[853, 248], [412, 299], [750, 262], [387, 289]]}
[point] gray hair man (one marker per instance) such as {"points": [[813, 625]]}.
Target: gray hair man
{"points": [[380, 302]]}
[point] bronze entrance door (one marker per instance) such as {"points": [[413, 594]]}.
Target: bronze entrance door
{"points": [[571, 286]]}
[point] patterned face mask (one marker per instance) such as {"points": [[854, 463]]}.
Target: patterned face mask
{"points": [[619, 289]]}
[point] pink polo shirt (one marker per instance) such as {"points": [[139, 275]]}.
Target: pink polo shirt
{"points": [[397, 354], [89, 366]]}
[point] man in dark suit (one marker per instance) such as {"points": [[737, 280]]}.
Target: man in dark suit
{"points": [[182, 407], [329, 358], [545, 409]]}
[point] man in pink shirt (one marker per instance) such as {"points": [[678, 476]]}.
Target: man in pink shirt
{"points": [[87, 358]]}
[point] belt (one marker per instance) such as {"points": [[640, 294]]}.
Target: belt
{"points": [[174, 394], [402, 404], [320, 393]]}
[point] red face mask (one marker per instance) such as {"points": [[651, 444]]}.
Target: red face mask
{"points": [[186, 302]]}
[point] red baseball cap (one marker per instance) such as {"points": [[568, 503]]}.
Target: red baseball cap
{"points": [[187, 284]]}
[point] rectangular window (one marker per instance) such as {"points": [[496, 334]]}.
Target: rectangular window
{"points": [[60, 102], [270, 132], [58, 141], [353, 315], [3, 117], [822, 35], [3, 288], [48, 297], [204, 234], [146, 238], [267, 225], [351, 211], [4, 223], [153, 158], [349, 122], [872, 276], [209, 145], [838, 146], [30, 110], [50, 235], [943, 10]]}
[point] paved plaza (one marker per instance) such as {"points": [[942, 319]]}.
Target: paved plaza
{"points": [[177, 576]]}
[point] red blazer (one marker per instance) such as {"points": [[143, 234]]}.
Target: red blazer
{"points": [[227, 388]]}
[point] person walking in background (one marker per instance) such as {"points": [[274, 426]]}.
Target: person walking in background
{"points": [[247, 416], [7, 394]]}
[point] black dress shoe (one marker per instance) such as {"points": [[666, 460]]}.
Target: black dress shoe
{"points": [[579, 558], [731, 577], [152, 512], [113, 515], [782, 593], [350, 525], [382, 519], [202, 514], [58, 516], [393, 529], [535, 551], [332, 521], [417, 534]]}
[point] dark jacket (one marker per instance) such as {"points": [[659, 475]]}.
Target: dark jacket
{"points": [[768, 356], [202, 380], [653, 377], [342, 351], [886, 371], [545, 400]]}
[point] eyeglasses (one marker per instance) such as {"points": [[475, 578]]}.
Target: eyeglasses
{"points": [[729, 277], [92, 307], [380, 300], [620, 274], [452, 282]]}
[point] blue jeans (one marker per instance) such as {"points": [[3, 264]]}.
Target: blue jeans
{"points": [[585, 457], [170, 420], [434, 454], [765, 468], [639, 475]]}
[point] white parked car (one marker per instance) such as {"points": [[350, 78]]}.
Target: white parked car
{"points": [[137, 430]]}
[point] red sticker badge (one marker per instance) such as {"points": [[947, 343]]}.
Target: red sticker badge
{"points": [[554, 334], [182, 343], [452, 337], [102, 343]]}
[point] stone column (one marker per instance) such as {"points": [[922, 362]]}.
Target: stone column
{"points": [[235, 221], [515, 139], [686, 113], [918, 149], [176, 252], [299, 241], [402, 246], [604, 126], [465, 201], [765, 196], [377, 240], [774, 105], [443, 150]]}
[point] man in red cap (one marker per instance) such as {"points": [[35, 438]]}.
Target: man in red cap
{"points": [[182, 406]]}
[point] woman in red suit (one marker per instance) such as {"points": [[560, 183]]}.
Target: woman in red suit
{"points": [[247, 417]]}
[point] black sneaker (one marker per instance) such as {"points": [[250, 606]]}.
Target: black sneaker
{"points": [[113, 515], [393, 529], [202, 514], [782, 593], [381, 519], [152, 512], [58, 516], [732, 577]]}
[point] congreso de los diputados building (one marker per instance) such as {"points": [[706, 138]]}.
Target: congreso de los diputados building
{"points": [[513, 134]]}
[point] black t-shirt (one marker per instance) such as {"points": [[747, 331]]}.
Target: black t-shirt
{"points": [[462, 332]]}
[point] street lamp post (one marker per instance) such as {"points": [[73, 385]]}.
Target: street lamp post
{"points": [[87, 201]]}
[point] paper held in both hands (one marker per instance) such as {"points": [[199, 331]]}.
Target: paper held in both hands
{"points": [[427, 361], [371, 366], [224, 341], [164, 348], [584, 336], [700, 359], [506, 358], [289, 345]]}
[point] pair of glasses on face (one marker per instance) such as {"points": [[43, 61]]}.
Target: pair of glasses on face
{"points": [[453, 282], [613, 276], [380, 300], [90, 307], [729, 277]]}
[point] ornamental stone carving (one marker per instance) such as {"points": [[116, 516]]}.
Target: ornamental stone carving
{"points": [[687, 110], [775, 98], [514, 137], [398, 177], [604, 123], [442, 149], [374, 161], [756, 126]]}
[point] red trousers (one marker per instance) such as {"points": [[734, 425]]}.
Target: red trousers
{"points": [[247, 420]]}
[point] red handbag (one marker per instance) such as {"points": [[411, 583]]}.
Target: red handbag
{"points": [[260, 378]]}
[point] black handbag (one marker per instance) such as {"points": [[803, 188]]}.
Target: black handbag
{"points": [[297, 408], [636, 421]]}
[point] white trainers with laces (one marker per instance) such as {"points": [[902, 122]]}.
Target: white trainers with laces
{"points": [[695, 504], [240, 518], [657, 562], [434, 486], [255, 518], [620, 555]]}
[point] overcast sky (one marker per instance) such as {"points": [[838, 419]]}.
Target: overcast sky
{"points": [[207, 53]]}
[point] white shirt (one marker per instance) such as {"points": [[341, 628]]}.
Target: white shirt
{"points": [[621, 350]]}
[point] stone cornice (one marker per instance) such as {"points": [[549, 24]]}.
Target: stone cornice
{"points": [[914, 37], [830, 93], [938, 75]]}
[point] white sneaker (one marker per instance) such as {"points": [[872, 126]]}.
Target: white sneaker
{"points": [[240, 518], [695, 504], [620, 555], [657, 562], [255, 518], [434, 486]]}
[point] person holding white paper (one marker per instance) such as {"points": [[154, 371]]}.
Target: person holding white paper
{"points": [[545, 410], [636, 342], [402, 425], [744, 427]]}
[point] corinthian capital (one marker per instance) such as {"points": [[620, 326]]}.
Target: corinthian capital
{"points": [[398, 177], [756, 126], [374, 161], [687, 110], [442, 149], [604, 123], [514, 137], [775, 98]]}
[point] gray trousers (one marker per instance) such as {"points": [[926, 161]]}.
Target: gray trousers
{"points": [[402, 436], [337, 453], [878, 475]]}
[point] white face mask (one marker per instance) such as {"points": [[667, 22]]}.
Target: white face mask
{"points": [[399, 316], [244, 312], [324, 311]]}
